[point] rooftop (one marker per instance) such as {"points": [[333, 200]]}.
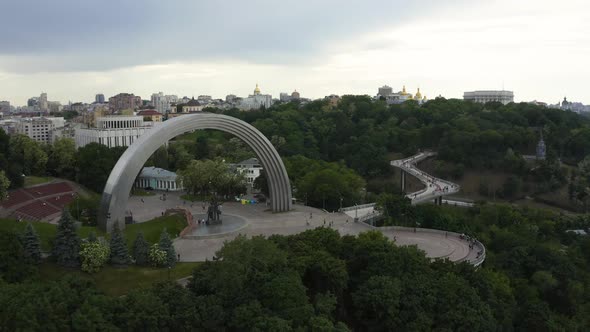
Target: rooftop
{"points": [[155, 172]]}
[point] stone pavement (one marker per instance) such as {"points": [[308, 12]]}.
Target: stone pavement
{"points": [[261, 221]]}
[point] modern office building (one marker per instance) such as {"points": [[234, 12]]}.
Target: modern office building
{"points": [[114, 131], [124, 101], [154, 178], [163, 103], [484, 96], [99, 98], [5, 106], [43, 106], [39, 128]]}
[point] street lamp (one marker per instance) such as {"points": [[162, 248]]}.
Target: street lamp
{"points": [[341, 203]]}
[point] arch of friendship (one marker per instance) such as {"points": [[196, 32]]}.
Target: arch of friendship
{"points": [[116, 192]]}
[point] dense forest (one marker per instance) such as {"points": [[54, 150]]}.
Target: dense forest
{"points": [[360, 135], [536, 277]]}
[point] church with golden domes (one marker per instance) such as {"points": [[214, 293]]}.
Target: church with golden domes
{"points": [[256, 100], [391, 97]]}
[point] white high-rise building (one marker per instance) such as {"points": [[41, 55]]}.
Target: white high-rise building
{"points": [[162, 102], [43, 106]]}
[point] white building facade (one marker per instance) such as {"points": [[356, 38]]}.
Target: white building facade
{"points": [[250, 168], [485, 96], [39, 128], [255, 101], [153, 178], [114, 131]]}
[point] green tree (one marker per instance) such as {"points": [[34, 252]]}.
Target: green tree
{"points": [[94, 164], [91, 237], [141, 249], [377, 304], [62, 160], [157, 256], [206, 176], [31, 244], [66, 246], [15, 266], [24, 151], [4, 184], [261, 183], [94, 255], [166, 245], [119, 254]]}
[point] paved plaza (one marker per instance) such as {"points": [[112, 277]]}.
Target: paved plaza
{"points": [[261, 221]]}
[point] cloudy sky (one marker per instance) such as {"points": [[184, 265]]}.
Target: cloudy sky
{"points": [[73, 49]]}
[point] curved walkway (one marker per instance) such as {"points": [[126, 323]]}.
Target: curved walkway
{"points": [[434, 187], [261, 221]]}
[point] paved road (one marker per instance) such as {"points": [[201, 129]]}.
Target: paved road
{"points": [[261, 221]]}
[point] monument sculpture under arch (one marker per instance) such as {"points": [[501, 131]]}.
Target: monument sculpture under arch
{"points": [[120, 181]]}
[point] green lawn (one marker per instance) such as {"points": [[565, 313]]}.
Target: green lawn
{"points": [[35, 180], [119, 281], [141, 192], [45, 230], [195, 198], [151, 229]]}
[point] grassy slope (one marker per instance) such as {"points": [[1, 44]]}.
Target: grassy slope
{"points": [[45, 231], [151, 229], [119, 281], [35, 180]]}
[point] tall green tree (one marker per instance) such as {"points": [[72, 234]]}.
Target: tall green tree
{"points": [[141, 250], [66, 246], [31, 244], [62, 160], [24, 151], [4, 184], [119, 254], [166, 245]]}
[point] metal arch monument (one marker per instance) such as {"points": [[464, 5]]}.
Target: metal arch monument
{"points": [[120, 181]]}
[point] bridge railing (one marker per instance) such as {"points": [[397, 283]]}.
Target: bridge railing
{"points": [[357, 207], [475, 262]]}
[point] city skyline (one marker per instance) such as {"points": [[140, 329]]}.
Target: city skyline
{"points": [[445, 49]]}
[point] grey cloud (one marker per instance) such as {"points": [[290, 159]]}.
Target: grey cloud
{"points": [[91, 35]]}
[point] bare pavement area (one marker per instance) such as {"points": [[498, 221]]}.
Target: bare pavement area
{"points": [[261, 221]]}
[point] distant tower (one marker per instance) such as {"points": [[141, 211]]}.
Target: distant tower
{"points": [[295, 95], [541, 148], [99, 98], [43, 105], [257, 90]]}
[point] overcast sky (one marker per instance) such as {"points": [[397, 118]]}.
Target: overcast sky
{"points": [[73, 49]]}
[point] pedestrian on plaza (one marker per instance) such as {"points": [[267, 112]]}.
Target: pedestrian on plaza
{"points": [[310, 215], [179, 257], [142, 200]]}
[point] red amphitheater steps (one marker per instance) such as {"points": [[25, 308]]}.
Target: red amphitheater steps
{"points": [[16, 197]]}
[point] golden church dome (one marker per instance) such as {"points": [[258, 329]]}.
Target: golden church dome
{"points": [[257, 90], [418, 95]]}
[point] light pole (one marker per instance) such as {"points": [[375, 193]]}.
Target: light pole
{"points": [[341, 203]]}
